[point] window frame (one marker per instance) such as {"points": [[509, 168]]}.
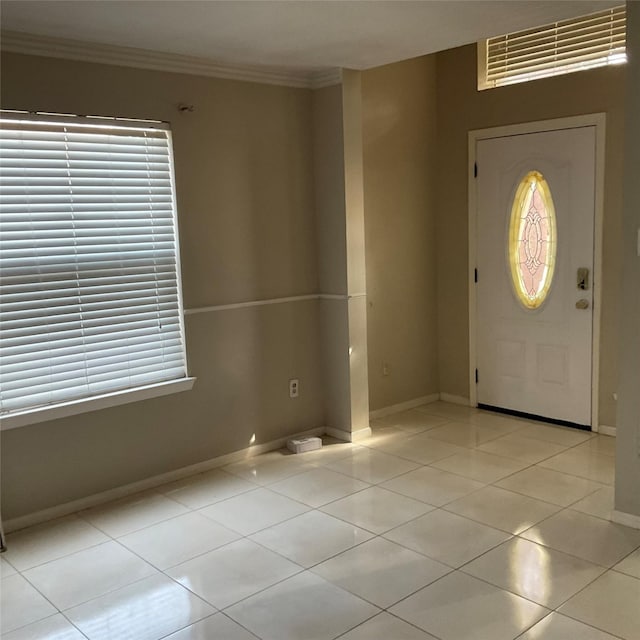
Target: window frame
{"points": [[97, 401], [564, 68]]}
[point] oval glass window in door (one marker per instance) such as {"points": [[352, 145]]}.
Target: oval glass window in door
{"points": [[532, 240]]}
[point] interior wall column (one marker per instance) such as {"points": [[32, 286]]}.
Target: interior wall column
{"points": [[627, 493], [338, 166]]}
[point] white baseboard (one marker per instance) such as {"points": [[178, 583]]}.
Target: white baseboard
{"points": [[627, 519], [448, 397], [605, 430], [348, 436], [403, 406], [155, 481]]}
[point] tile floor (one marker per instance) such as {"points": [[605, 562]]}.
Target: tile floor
{"points": [[447, 523]]}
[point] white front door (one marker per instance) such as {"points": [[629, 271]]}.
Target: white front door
{"points": [[534, 291]]}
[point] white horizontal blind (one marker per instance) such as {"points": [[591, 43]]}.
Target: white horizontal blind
{"points": [[89, 279], [563, 47]]}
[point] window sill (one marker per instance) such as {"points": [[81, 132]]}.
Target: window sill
{"points": [[95, 403]]}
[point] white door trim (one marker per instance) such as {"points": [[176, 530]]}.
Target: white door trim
{"points": [[598, 120]]}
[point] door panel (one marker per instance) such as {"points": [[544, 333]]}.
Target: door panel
{"points": [[536, 360]]}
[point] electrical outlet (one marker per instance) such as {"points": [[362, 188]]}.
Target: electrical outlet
{"points": [[294, 388], [385, 368]]}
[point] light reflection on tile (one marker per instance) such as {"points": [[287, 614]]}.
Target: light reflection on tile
{"points": [[56, 627], [88, 574], [322, 610], [534, 572], [146, 610]]}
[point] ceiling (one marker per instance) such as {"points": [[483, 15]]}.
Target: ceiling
{"points": [[307, 35]]}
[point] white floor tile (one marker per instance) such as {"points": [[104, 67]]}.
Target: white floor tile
{"points": [[377, 509], [56, 627], [21, 604], [520, 448], [544, 484], [204, 489], [372, 466], [505, 423], [381, 572], [593, 539], [311, 538], [412, 421], [6, 568], [549, 433], [420, 448], [465, 434], [432, 486], [318, 486], [215, 627], [584, 464], [146, 610], [558, 627], [447, 410], [599, 504], [254, 510], [381, 435], [88, 574], [630, 565], [502, 509], [332, 450], [459, 607], [447, 537], [605, 445], [610, 603], [174, 541], [322, 610], [233, 572], [51, 540], [132, 513], [386, 627], [534, 572], [270, 467], [480, 466]]}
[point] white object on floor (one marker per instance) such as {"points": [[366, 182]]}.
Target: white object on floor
{"points": [[301, 445]]}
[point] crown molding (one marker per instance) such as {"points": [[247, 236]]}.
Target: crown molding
{"points": [[326, 78], [38, 45]]}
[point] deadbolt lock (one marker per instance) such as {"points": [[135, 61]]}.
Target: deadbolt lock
{"points": [[583, 278], [583, 303]]}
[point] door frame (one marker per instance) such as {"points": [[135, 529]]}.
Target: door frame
{"points": [[597, 120]]}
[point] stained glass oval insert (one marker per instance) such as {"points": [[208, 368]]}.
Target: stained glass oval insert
{"points": [[532, 240]]}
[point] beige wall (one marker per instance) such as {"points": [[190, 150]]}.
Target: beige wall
{"points": [[245, 190], [399, 110], [628, 444], [462, 108]]}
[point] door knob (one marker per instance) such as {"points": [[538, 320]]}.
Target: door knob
{"points": [[583, 303]]}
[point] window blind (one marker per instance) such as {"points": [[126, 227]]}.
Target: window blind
{"points": [[563, 47], [90, 297]]}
